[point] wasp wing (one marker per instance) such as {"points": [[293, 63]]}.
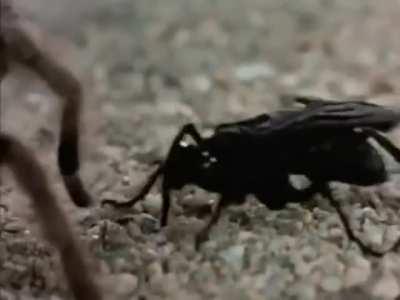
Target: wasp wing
{"points": [[240, 126], [317, 120], [330, 116]]}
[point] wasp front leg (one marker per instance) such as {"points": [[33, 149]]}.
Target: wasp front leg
{"points": [[142, 193], [203, 235]]}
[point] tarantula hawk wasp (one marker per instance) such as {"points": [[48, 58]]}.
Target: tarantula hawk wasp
{"points": [[17, 46], [326, 141]]}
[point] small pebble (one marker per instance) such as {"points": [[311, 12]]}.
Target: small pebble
{"points": [[233, 256], [122, 284], [357, 272], [387, 287], [152, 204], [331, 284]]}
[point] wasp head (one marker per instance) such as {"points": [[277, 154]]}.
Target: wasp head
{"points": [[187, 163]]}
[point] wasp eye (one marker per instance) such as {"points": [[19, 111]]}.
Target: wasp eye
{"points": [[209, 161], [205, 153]]}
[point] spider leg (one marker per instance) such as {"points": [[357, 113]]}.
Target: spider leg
{"points": [[21, 48], [203, 235], [32, 179]]}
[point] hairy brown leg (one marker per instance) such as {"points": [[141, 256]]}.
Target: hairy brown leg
{"points": [[19, 47], [32, 179]]}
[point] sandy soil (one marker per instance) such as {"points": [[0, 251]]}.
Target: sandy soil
{"points": [[147, 68]]}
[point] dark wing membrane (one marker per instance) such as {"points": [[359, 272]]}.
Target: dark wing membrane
{"points": [[235, 135], [290, 99], [317, 101], [331, 115], [244, 125], [312, 100]]}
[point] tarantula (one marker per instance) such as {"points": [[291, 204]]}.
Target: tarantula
{"points": [[15, 45], [31, 177]]}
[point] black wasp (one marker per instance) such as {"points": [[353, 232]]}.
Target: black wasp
{"points": [[325, 141]]}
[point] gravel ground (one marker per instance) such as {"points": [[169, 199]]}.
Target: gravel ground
{"points": [[148, 67]]}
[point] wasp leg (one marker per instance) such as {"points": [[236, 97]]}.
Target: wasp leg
{"points": [[166, 203], [346, 224], [384, 142], [203, 235]]}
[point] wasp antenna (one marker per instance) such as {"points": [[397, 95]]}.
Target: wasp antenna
{"points": [[150, 182], [143, 192]]}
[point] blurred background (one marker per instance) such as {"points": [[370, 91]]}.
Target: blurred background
{"points": [[147, 68]]}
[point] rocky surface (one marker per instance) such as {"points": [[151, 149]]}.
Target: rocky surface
{"points": [[147, 70]]}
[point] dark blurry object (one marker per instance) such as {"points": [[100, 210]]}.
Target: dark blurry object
{"points": [[381, 85], [326, 141], [32, 179], [17, 46]]}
